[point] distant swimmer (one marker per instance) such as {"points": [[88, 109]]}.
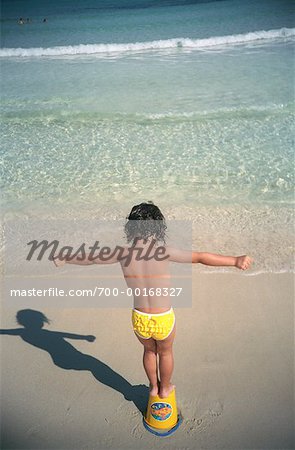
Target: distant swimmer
{"points": [[21, 21], [44, 20]]}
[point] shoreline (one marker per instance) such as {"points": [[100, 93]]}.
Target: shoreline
{"points": [[264, 233]]}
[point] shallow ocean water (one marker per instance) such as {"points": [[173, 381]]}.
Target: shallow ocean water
{"points": [[188, 104]]}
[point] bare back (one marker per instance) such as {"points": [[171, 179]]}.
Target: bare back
{"points": [[148, 276]]}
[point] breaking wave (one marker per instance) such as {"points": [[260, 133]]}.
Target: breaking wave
{"points": [[186, 43]]}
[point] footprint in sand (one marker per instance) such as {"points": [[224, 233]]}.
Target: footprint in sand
{"points": [[33, 430], [137, 431], [201, 423]]}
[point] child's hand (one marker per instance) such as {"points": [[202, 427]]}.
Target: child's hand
{"points": [[59, 262], [90, 338], [243, 262]]}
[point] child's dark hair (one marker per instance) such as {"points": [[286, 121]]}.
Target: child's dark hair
{"points": [[144, 221]]}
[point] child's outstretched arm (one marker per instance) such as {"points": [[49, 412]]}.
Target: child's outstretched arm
{"points": [[209, 259], [81, 262], [87, 260]]}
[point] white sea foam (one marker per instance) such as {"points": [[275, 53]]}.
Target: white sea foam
{"points": [[92, 49]]}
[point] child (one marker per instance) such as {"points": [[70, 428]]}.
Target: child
{"points": [[152, 316]]}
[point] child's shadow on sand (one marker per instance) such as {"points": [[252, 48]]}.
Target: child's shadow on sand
{"points": [[66, 356]]}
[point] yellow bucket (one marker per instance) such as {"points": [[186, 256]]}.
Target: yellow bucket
{"points": [[162, 417]]}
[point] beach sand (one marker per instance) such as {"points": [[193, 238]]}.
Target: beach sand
{"points": [[234, 374]]}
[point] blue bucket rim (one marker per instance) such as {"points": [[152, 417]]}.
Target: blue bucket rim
{"points": [[165, 433]]}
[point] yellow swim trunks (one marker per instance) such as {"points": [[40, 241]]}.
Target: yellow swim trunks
{"points": [[156, 326]]}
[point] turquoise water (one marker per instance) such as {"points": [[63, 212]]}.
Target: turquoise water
{"points": [[189, 104], [127, 21]]}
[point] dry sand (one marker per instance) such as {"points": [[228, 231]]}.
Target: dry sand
{"points": [[234, 374]]}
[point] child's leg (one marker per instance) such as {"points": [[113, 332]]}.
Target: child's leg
{"points": [[150, 363], [166, 364]]}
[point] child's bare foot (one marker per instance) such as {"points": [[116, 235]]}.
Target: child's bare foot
{"points": [[166, 390], [153, 390]]}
